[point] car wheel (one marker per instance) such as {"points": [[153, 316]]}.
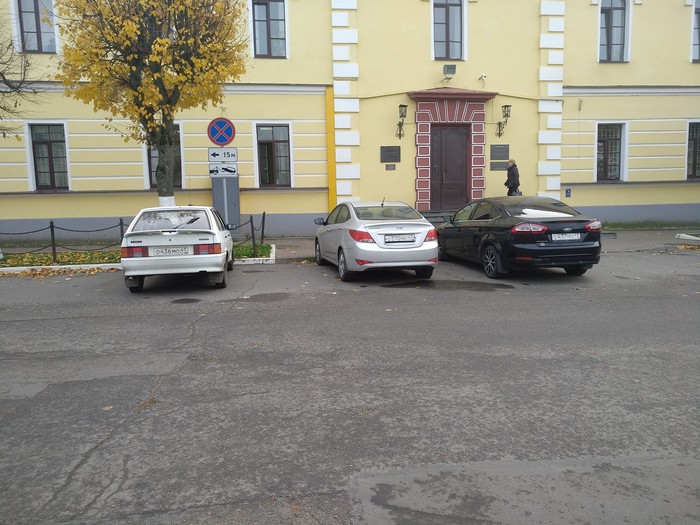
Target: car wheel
{"points": [[320, 261], [134, 284], [575, 270], [491, 261], [343, 272], [221, 279], [229, 264], [442, 250], [424, 273]]}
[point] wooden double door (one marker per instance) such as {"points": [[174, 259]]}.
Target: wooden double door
{"points": [[449, 167]]}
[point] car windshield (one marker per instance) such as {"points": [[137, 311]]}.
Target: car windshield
{"points": [[172, 220], [540, 210], [386, 213]]}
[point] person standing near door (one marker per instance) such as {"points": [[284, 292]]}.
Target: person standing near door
{"points": [[513, 180]]}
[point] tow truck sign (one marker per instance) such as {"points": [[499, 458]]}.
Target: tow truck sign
{"points": [[223, 170]]}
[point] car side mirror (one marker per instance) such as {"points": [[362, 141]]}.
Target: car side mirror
{"points": [[319, 221], [232, 226]]}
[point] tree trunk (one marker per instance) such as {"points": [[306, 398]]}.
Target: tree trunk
{"points": [[165, 169]]}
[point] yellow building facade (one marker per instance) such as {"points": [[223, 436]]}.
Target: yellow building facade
{"points": [[416, 100]]}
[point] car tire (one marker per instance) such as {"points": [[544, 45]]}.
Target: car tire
{"points": [[424, 273], [442, 250], [229, 264], [134, 287], [491, 261], [343, 272], [575, 270], [320, 261], [222, 281]]}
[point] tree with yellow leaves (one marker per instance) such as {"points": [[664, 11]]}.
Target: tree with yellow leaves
{"points": [[145, 60]]}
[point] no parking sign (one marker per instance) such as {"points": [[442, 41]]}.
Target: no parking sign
{"points": [[221, 131]]}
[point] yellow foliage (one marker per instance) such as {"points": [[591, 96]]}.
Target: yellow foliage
{"points": [[145, 60]]}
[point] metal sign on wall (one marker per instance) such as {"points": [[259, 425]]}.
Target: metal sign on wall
{"points": [[500, 153]]}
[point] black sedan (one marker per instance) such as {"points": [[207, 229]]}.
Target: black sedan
{"points": [[517, 233]]}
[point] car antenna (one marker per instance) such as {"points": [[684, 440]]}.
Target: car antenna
{"points": [[383, 201]]}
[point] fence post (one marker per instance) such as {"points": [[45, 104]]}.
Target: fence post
{"points": [[262, 234], [53, 242], [252, 234], [121, 228]]}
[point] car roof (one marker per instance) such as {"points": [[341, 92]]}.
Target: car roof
{"points": [[517, 200], [175, 208], [364, 204]]}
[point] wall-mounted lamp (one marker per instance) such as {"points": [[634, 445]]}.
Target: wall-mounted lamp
{"points": [[449, 71], [402, 116], [501, 126]]}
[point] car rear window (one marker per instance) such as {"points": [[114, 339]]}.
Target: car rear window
{"points": [[386, 213], [172, 220], [540, 210]]}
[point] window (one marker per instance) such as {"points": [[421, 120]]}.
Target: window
{"points": [[274, 162], [694, 151], [268, 28], [447, 29], [609, 152], [37, 33], [153, 162], [50, 160], [613, 22], [696, 32], [465, 213]]}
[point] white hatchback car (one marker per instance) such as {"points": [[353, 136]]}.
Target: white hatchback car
{"points": [[360, 236], [176, 240]]}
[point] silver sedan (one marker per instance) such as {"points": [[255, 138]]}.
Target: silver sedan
{"points": [[361, 236]]}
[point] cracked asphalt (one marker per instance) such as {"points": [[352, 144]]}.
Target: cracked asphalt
{"points": [[291, 397]]}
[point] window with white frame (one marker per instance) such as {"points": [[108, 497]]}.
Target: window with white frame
{"points": [[609, 155], [269, 31], [448, 29], [38, 35], [50, 157], [694, 151], [613, 30], [177, 168], [274, 160], [696, 32]]}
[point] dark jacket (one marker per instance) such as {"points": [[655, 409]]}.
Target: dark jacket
{"points": [[513, 180]]}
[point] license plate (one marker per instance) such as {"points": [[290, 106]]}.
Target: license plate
{"points": [[399, 238], [566, 236], [179, 250]]}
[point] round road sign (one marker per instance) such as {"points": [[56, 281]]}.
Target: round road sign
{"points": [[221, 131]]}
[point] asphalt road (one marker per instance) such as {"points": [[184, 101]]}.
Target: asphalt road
{"points": [[291, 397]]}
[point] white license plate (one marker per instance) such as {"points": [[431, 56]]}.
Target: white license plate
{"points": [[566, 236], [399, 238], [179, 250]]}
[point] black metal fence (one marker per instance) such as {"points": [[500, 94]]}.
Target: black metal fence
{"points": [[26, 241]]}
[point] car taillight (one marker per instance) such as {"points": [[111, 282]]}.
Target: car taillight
{"points": [[432, 235], [528, 227], [360, 236], [134, 251], [207, 249], [594, 226], [362, 262]]}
